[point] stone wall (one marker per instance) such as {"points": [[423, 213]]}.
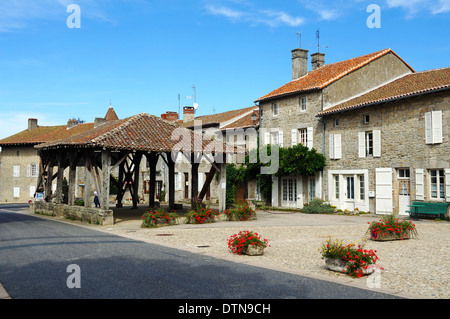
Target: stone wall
{"points": [[84, 214]]}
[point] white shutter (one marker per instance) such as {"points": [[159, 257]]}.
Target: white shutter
{"points": [[383, 190], [16, 192], [310, 137], [294, 136], [28, 170], [428, 129], [447, 184], [32, 190], [337, 146], [376, 143], [420, 191], [177, 181], [436, 126], [362, 144], [280, 138], [200, 181], [331, 146], [266, 138]]}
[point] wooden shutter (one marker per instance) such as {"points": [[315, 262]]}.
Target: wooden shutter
{"points": [[428, 129], [376, 143], [362, 144], [293, 137], [420, 191], [337, 146], [200, 181], [447, 184], [331, 146], [436, 126], [383, 190], [28, 170], [310, 137]]}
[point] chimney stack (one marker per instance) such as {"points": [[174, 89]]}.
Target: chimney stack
{"points": [[170, 116], [317, 60], [71, 123], [99, 121], [32, 124], [299, 63], [188, 114]]}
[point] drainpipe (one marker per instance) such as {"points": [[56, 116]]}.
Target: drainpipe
{"points": [[323, 149]]}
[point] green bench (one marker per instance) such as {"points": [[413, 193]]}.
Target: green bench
{"points": [[428, 208]]}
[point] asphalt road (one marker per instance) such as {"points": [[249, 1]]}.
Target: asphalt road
{"points": [[37, 257]]}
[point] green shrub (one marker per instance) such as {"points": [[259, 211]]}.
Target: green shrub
{"points": [[317, 206], [240, 213], [151, 218]]}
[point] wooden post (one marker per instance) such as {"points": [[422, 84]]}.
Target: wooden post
{"points": [[208, 181], [152, 160], [59, 181], [106, 173], [137, 164], [72, 180], [87, 181], [48, 185], [194, 179], [120, 185], [222, 187], [171, 167]]}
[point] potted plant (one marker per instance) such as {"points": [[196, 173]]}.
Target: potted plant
{"points": [[158, 218], [240, 213], [391, 228], [352, 259], [201, 216], [247, 242]]}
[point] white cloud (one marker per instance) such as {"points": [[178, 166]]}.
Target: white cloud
{"points": [[415, 6], [269, 17]]}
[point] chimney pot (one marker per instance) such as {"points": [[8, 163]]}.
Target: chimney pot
{"points": [[299, 63], [188, 114]]}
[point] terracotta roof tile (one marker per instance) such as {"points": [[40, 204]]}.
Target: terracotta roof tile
{"points": [[111, 115], [143, 132], [244, 122], [327, 74], [408, 85], [218, 118]]}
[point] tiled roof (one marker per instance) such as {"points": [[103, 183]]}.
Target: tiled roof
{"points": [[406, 86], [218, 118], [244, 122], [43, 134], [142, 132], [325, 75]]}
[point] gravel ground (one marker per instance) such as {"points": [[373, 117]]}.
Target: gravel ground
{"points": [[416, 267]]}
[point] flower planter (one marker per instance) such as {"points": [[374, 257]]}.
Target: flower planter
{"points": [[339, 265], [389, 236], [253, 250]]}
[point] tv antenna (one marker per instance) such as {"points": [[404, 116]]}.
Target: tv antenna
{"points": [[318, 41], [194, 97], [299, 35]]}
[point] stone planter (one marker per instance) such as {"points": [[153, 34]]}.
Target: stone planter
{"points": [[253, 250], [339, 265], [389, 236]]}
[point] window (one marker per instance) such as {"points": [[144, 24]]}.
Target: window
{"points": [[312, 188], [366, 119], [302, 101], [362, 190], [335, 146], [275, 109], [275, 138], [303, 136], [336, 122], [437, 183], [433, 127], [16, 192], [16, 171], [289, 190], [336, 186], [32, 170], [350, 187], [403, 173], [369, 144]]}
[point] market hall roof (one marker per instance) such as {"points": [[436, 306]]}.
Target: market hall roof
{"points": [[141, 132], [407, 86], [327, 74]]}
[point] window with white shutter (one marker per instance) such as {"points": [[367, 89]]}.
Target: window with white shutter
{"points": [[433, 127], [376, 143], [16, 192], [362, 144], [310, 138], [335, 146], [16, 171]]}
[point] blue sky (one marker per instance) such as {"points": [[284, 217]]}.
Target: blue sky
{"points": [[140, 54]]}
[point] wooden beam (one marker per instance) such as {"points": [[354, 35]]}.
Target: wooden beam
{"points": [[209, 178], [171, 167]]}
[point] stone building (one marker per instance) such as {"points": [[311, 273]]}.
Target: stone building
{"points": [[19, 169], [390, 146], [298, 112]]}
